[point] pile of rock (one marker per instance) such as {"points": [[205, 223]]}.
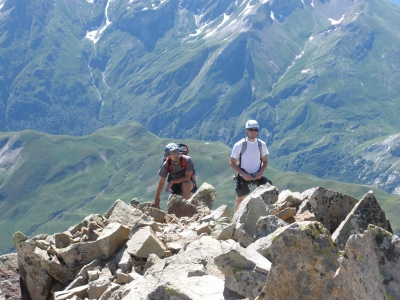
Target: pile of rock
{"points": [[278, 245]]}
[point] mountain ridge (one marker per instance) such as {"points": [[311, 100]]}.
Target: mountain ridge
{"points": [[49, 182]]}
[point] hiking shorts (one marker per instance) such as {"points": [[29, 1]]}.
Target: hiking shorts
{"points": [[242, 187], [176, 188]]}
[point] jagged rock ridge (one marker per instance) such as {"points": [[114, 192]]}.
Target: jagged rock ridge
{"points": [[278, 245]]}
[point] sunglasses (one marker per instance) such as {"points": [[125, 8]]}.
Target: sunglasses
{"points": [[173, 152], [252, 129]]}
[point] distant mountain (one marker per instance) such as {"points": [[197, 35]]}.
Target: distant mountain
{"points": [[51, 182], [320, 76]]}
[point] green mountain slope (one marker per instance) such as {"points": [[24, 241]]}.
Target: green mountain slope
{"points": [[50, 182], [321, 77]]}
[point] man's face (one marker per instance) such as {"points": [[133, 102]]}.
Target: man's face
{"points": [[252, 132], [173, 154]]}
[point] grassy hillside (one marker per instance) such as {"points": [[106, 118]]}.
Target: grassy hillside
{"points": [[48, 182]]}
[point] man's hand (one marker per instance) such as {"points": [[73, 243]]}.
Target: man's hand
{"points": [[156, 203], [246, 176]]}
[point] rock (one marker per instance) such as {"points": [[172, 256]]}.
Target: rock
{"points": [[151, 260], [124, 214], [245, 271], [78, 281], [10, 287], [205, 195], [366, 211], [268, 193], [97, 288], [133, 276], [305, 216], [139, 289], [89, 267], [225, 233], [82, 227], [247, 215], [267, 225], [180, 207], [330, 207], [93, 275], [62, 239], [203, 228], [157, 214], [263, 246], [110, 240], [80, 292], [286, 213], [387, 250], [174, 246], [198, 287], [287, 198], [57, 270], [37, 280], [122, 260], [304, 262], [222, 212], [122, 278], [358, 276], [144, 242]]}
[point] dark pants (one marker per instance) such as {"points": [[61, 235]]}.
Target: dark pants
{"points": [[242, 186], [176, 188]]}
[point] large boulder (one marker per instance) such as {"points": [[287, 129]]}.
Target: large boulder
{"points": [[112, 237], [366, 211], [190, 274], [144, 242], [10, 286], [249, 211], [286, 198], [387, 250], [245, 271], [180, 207], [125, 214], [35, 277], [205, 195], [267, 225], [304, 262], [329, 207], [358, 276]]}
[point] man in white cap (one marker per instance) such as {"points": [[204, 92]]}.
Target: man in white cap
{"points": [[249, 160]]}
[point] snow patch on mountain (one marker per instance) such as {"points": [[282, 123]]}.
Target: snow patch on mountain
{"points": [[336, 22], [221, 29], [95, 35], [9, 154]]}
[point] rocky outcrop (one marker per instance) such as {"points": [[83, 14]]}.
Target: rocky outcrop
{"points": [[366, 211], [144, 253]]}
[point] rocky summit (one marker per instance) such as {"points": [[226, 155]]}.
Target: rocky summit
{"points": [[319, 244]]}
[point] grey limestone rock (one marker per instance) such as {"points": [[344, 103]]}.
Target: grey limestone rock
{"points": [[366, 211], [329, 207]]}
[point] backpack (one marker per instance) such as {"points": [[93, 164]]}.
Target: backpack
{"points": [[183, 151], [244, 147]]}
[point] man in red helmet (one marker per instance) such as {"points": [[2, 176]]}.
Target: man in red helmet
{"points": [[249, 160]]}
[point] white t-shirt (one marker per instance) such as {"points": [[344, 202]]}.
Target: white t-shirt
{"points": [[251, 157]]}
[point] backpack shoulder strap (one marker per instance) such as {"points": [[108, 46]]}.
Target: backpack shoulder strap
{"points": [[242, 150], [244, 146], [259, 148], [183, 161], [168, 165]]}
